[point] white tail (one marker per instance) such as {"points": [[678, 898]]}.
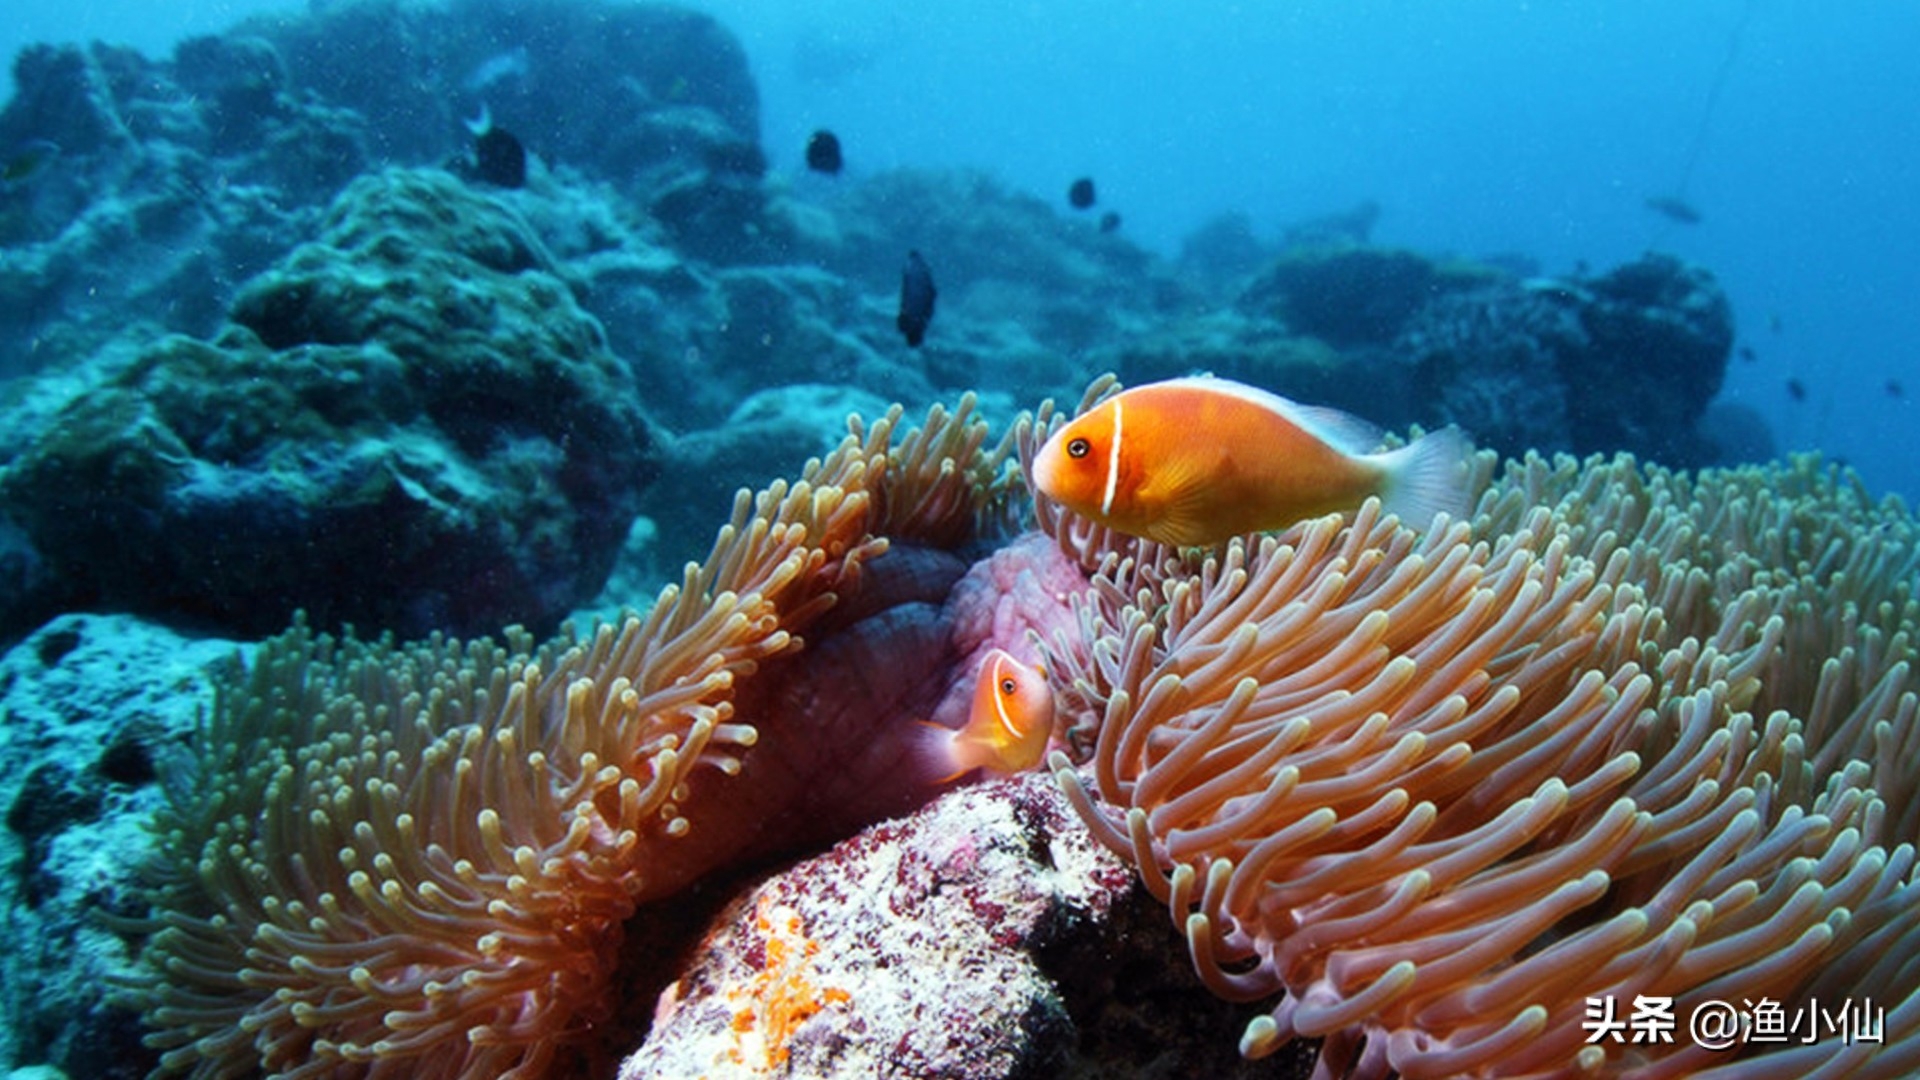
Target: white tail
{"points": [[1427, 477]]}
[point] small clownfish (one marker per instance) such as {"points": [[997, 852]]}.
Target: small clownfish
{"points": [[1007, 726], [1197, 461]]}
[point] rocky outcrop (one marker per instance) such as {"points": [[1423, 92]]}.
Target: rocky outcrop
{"points": [[411, 425]]}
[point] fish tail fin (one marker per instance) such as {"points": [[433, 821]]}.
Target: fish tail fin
{"points": [[1428, 477], [938, 753]]}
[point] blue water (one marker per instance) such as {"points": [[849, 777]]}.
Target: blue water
{"points": [[1480, 128]]}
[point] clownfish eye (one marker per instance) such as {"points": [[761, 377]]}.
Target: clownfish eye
{"points": [[1078, 448], [1008, 686]]}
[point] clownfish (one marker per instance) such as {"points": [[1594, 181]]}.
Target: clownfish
{"points": [[1199, 460], [1007, 726]]}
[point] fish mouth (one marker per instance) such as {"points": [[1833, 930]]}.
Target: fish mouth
{"points": [[1045, 471]]}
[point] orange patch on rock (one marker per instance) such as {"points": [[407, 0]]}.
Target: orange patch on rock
{"points": [[775, 1002]]}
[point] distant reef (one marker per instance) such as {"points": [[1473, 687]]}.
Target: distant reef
{"points": [[263, 295]]}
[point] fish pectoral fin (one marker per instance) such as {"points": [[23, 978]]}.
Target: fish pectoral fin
{"points": [[1180, 495], [1187, 520]]}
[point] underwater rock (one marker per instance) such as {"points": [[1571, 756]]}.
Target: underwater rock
{"points": [[172, 183], [1342, 228], [771, 434], [635, 94], [1489, 361], [241, 84], [788, 325], [413, 427], [1262, 353], [1737, 433], [985, 936], [1660, 333], [1221, 251], [63, 95], [1625, 361], [93, 704], [1349, 296], [1001, 256], [701, 180]]}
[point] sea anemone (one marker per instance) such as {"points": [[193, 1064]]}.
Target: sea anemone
{"points": [[1456, 800], [1624, 739], [416, 859]]}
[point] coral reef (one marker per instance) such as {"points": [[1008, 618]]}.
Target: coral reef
{"points": [[96, 707], [179, 179], [1626, 733], [1353, 295], [412, 426], [211, 189], [1628, 360], [164, 195]]}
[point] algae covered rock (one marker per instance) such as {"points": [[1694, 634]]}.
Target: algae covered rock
{"points": [[412, 427], [97, 708], [169, 182], [161, 186], [982, 938], [1490, 361], [1353, 295], [1628, 360], [653, 98], [1660, 333]]}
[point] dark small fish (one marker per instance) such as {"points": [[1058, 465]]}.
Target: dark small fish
{"points": [[916, 299], [1674, 208], [1110, 222], [1747, 354], [498, 157], [1895, 390], [1080, 193], [1796, 390], [823, 153], [1774, 324]]}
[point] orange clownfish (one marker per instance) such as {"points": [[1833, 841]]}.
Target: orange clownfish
{"points": [[1007, 726], [1200, 460]]}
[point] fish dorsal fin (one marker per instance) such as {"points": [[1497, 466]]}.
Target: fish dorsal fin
{"points": [[1340, 430]]}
